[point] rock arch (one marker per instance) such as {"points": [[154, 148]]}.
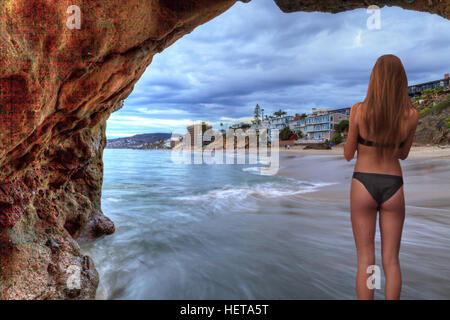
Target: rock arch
{"points": [[58, 87]]}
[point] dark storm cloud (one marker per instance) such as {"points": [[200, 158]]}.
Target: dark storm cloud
{"points": [[254, 53]]}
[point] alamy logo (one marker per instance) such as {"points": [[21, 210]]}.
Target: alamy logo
{"points": [[374, 21], [374, 281], [206, 146], [74, 20]]}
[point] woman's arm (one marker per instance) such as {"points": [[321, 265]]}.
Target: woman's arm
{"points": [[404, 151], [351, 144]]}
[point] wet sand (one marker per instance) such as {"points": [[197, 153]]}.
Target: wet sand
{"points": [[425, 251]]}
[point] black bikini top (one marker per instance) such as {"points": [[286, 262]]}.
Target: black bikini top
{"points": [[368, 143]]}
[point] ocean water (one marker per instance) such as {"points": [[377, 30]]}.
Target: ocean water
{"points": [[227, 232]]}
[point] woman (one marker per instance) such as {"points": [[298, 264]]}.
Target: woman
{"points": [[381, 129]]}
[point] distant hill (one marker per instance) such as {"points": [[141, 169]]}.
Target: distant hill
{"points": [[139, 141]]}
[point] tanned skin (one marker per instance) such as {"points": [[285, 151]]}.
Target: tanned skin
{"points": [[364, 208]]}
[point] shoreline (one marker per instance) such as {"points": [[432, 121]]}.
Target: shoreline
{"points": [[415, 152]]}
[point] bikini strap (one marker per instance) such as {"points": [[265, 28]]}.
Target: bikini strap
{"points": [[369, 143], [365, 142]]}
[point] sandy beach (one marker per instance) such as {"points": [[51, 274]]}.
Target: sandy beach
{"points": [[426, 173], [424, 164], [416, 151], [425, 252]]}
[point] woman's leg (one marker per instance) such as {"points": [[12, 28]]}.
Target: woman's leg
{"points": [[392, 216], [363, 210]]}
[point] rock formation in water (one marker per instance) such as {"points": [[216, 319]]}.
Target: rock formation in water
{"points": [[58, 85]]}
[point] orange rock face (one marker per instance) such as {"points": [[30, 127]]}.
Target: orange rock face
{"points": [[59, 83], [58, 87]]}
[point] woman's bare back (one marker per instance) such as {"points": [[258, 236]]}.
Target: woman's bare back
{"points": [[367, 159]]}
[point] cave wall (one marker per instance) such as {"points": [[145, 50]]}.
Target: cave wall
{"points": [[58, 87]]}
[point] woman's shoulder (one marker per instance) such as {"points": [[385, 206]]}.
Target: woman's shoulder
{"points": [[355, 111], [412, 114], [355, 107], [415, 117], [412, 118]]}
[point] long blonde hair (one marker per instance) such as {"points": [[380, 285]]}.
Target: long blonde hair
{"points": [[386, 104]]}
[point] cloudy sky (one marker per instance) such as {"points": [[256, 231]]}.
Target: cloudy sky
{"points": [[254, 53]]}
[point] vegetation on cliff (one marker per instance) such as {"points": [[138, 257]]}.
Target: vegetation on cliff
{"points": [[434, 112]]}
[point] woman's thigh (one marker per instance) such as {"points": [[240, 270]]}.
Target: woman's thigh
{"points": [[392, 216], [363, 210]]}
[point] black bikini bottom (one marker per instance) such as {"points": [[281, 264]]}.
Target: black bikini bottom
{"points": [[381, 186]]}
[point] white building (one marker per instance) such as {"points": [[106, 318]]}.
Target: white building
{"points": [[273, 123], [319, 125]]}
